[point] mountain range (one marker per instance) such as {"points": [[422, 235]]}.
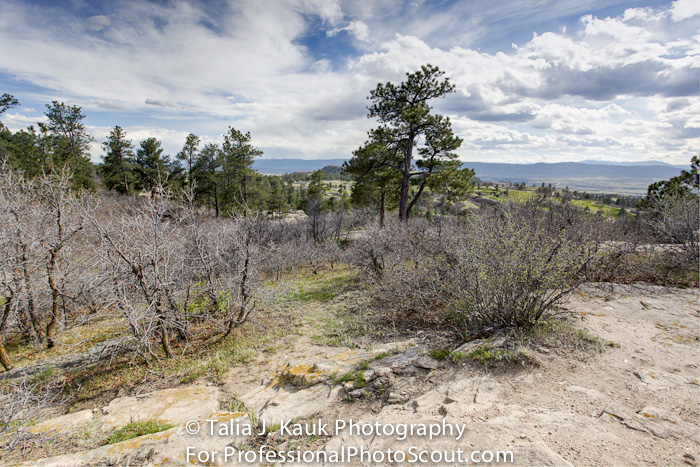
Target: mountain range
{"points": [[593, 176]]}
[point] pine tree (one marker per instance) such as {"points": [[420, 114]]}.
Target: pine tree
{"points": [[117, 168]]}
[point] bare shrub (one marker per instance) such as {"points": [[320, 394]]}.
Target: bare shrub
{"points": [[142, 258], [511, 271], [403, 260], [43, 273], [225, 255], [21, 402]]}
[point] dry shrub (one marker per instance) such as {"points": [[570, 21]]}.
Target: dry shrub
{"points": [[511, 270]]}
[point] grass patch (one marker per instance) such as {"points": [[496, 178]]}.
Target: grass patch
{"points": [[136, 429], [439, 354], [559, 333], [489, 354], [322, 287], [357, 375]]}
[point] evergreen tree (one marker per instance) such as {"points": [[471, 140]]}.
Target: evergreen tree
{"points": [[188, 155], [375, 181], [207, 175], [152, 168], [237, 155], [117, 169], [68, 143], [405, 120]]}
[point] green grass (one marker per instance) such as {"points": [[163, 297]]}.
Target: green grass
{"points": [[440, 354], [357, 375], [136, 429], [351, 376], [322, 287], [487, 354]]}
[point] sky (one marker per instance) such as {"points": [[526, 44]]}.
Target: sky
{"points": [[536, 80]]}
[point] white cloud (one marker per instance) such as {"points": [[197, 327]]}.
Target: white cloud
{"points": [[684, 9], [603, 86], [356, 28], [98, 22]]}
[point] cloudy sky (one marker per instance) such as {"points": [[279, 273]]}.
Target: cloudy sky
{"points": [[537, 80]]}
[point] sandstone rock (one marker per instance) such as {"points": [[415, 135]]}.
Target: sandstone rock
{"points": [[402, 360], [656, 379], [426, 363], [304, 376], [274, 403], [397, 397], [379, 383], [665, 424], [163, 448], [64, 423], [357, 393], [369, 375], [540, 454], [495, 342], [176, 406], [382, 371]]}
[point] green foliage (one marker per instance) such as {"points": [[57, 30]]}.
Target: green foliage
{"points": [[117, 169], [7, 101], [386, 163], [439, 354], [355, 377], [152, 168], [242, 189], [188, 155], [486, 354], [136, 429], [672, 209], [69, 143]]}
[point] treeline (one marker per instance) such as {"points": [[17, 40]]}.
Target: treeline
{"points": [[219, 178]]}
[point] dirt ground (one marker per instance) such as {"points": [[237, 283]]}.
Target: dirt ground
{"points": [[635, 401]]}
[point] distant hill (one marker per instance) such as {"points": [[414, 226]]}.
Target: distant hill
{"points": [[286, 166], [595, 162], [592, 176], [623, 179]]}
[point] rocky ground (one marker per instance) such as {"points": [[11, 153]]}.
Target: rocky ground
{"points": [[634, 401]]}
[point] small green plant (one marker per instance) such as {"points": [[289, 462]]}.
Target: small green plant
{"points": [[439, 354], [457, 356], [355, 376], [487, 353], [136, 429], [236, 405]]}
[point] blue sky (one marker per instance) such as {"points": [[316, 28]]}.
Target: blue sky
{"points": [[536, 80]]}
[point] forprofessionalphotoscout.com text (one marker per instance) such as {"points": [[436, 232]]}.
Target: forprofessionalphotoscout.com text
{"points": [[403, 454]]}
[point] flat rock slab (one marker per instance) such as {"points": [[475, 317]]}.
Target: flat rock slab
{"points": [[294, 390], [65, 423], [657, 379], [164, 448], [175, 406]]}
